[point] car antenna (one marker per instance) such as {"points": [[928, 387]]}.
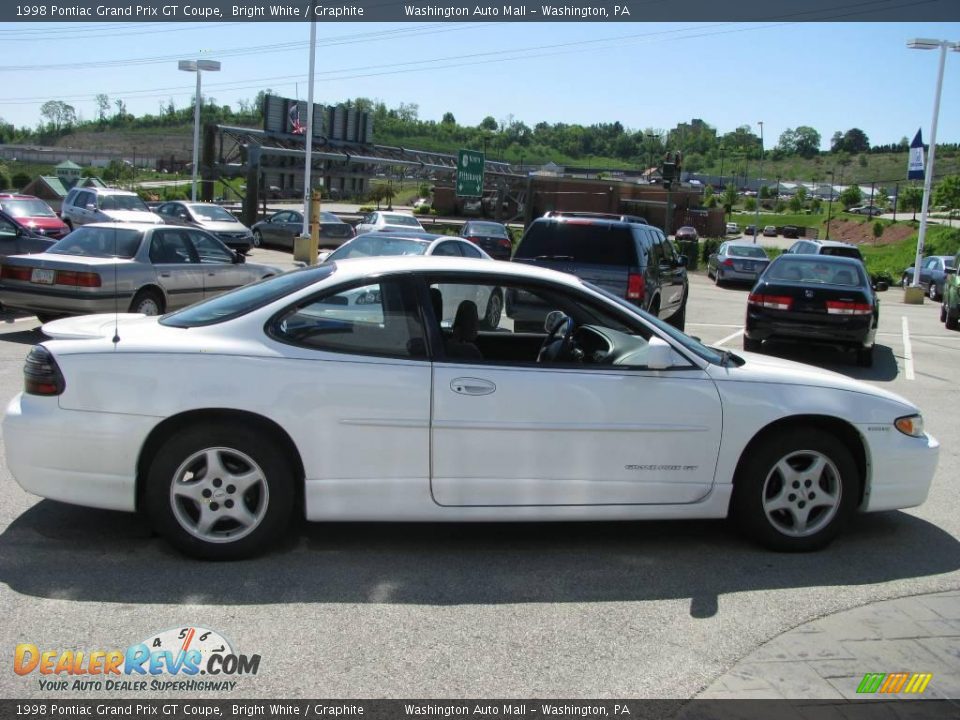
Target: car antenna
{"points": [[116, 291]]}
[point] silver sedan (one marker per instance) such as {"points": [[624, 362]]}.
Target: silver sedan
{"points": [[734, 262], [121, 267]]}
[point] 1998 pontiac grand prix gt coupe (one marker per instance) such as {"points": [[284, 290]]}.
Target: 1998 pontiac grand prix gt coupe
{"points": [[368, 404]]}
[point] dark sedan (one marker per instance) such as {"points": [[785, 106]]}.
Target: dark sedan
{"points": [[492, 237], [933, 275], [18, 240], [282, 227], [734, 262], [819, 299]]}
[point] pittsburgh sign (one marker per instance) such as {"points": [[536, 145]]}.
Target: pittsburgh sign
{"points": [[470, 173]]}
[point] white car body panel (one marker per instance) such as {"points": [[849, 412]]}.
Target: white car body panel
{"points": [[364, 438]]}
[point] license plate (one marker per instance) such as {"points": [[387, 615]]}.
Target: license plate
{"points": [[748, 266], [42, 276]]}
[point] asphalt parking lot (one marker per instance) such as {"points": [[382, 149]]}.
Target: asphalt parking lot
{"points": [[627, 610]]}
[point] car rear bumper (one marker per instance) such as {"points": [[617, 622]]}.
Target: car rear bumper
{"points": [[82, 458], [33, 301], [844, 331], [738, 275]]}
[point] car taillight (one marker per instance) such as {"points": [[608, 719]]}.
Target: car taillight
{"points": [[727, 263], [505, 244], [635, 286], [773, 302], [10, 272], [77, 279], [472, 239], [844, 307], [41, 374]]}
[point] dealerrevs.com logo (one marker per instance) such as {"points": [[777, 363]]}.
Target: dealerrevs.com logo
{"points": [[187, 659]]}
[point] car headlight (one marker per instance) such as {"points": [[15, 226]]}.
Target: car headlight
{"points": [[911, 425]]}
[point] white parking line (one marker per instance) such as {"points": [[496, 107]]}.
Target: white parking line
{"points": [[737, 334], [907, 349]]}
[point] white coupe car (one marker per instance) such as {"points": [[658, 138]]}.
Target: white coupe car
{"points": [[361, 405]]}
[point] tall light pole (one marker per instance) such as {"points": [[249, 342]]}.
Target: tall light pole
{"points": [[756, 226], [927, 44], [308, 154], [198, 67], [830, 206]]}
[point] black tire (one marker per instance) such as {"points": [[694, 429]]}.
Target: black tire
{"points": [[679, 318], [784, 468], [494, 311], [241, 451], [751, 345], [716, 279], [148, 301], [257, 238], [905, 281], [865, 357], [951, 320], [932, 291], [943, 313]]}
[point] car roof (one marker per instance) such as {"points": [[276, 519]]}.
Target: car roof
{"points": [[128, 226], [810, 257], [833, 243], [408, 235], [106, 191], [18, 196]]}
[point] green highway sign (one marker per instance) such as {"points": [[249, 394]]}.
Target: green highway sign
{"points": [[470, 173]]}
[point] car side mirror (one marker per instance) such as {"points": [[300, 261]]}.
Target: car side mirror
{"points": [[238, 258], [91, 206], [659, 354], [882, 286], [682, 261]]}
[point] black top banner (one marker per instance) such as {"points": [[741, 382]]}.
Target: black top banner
{"points": [[483, 11]]}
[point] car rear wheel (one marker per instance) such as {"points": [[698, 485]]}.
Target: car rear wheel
{"points": [[751, 345], [717, 279], [147, 302], [220, 492], [257, 238], [491, 319], [950, 321], [796, 491], [932, 290], [679, 318]]}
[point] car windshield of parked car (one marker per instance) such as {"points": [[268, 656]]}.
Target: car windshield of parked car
{"points": [[488, 229], [809, 269], [122, 202], [404, 220], [376, 246], [32, 207], [694, 346], [750, 251], [247, 298], [212, 212], [99, 242]]}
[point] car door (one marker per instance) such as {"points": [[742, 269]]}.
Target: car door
{"points": [[364, 439], [85, 208], [178, 271], [220, 271], [509, 431], [292, 227]]}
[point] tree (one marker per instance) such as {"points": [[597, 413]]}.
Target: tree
{"points": [[801, 193], [795, 204], [750, 204], [947, 193], [103, 107], [489, 123], [121, 107], [20, 180], [449, 119], [58, 114], [853, 140], [911, 199], [729, 197], [804, 141], [851, 196], [878, 228]]}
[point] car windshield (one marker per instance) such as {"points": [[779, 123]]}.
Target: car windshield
{"points": [[213, 212], [32, 207], [377, 245], [750, 251], [405, 220], [102, 242], [247, 298], [694, 346], [122, 202], [488, 229], [811, 269]]}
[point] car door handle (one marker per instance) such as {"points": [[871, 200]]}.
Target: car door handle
{"points": [[472, 386], [166, 274]]}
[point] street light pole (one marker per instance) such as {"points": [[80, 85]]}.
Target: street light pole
{"points": [[926, 44], [756, 225], [308, 164], [197, 66], [830, 205]]}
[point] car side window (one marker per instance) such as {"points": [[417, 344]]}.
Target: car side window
{"points": [[448, 249], [7, 229], [669, 253], [378, 319], [656, 250], [165, 209], [209, 250], [281, 217], [169, 247]]}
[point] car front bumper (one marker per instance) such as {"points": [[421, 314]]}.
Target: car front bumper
{"points": [[901, 468]]}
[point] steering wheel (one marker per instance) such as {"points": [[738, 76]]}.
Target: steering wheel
{"points": [[553, 350]]}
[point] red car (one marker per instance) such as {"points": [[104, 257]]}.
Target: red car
{"points": [[33, 213]]}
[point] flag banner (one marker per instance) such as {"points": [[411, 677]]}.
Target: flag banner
{"points": [[915, 164], [296, 127]]}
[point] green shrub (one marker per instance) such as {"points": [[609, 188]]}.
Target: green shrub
{"points": [[20, 180], [422, 210], [708, 246], [365, 208]]}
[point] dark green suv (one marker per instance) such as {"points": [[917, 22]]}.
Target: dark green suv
{"points": [[950, 307]]}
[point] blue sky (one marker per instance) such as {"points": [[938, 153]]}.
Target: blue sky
{"points": [[829, 76]]}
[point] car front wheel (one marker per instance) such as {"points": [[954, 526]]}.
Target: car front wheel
{"points": [[932, 290], [950, 318], [796, 491], [220, 492]]}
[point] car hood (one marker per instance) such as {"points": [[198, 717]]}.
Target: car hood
{"points": [[141, 216], [767, 369], [43, 223]]}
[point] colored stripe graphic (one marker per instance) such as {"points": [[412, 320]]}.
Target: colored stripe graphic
{"points": [[893, 683]]}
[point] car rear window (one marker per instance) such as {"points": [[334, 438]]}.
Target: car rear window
{"points": [[840, 251], [580, 242], [101, 242], [247, 298], [489, 229], [751, 251], [800, 268], [377, 246], [405, 220]]}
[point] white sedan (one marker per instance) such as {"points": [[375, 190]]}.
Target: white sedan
{"points": [[380, 220], [363, 406]]}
